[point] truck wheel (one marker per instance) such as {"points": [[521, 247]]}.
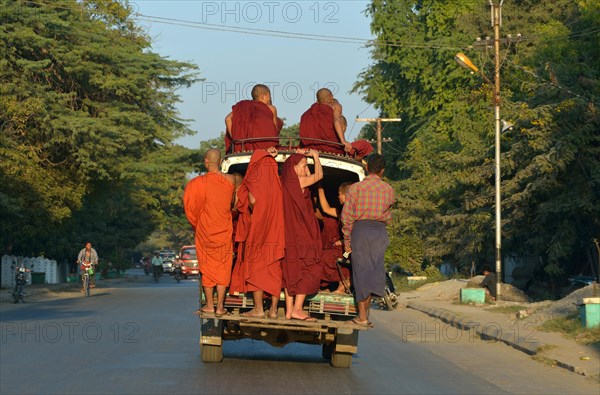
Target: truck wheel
{"points": [[341, 359], [328, 350], [212, 353]]}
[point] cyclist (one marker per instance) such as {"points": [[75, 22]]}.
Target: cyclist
{"points": [[157, 265], [87, 257]]}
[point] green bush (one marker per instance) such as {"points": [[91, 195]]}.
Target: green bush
{"points": [[405, 251]]}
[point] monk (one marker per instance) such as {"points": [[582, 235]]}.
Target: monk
{"points": [[207, 204], [332, 241], [260, 233], [323, 121], [301, 265], [249, 119], [360, 148]]}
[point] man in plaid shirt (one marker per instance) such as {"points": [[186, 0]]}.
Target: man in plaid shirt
{"points": [[365, 214]]}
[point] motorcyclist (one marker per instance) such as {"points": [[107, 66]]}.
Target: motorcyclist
{"points": [[87, 257], [177, 268]]}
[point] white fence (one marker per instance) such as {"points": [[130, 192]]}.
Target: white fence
{"points": [[38, 265]]}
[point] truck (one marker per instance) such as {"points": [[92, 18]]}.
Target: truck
{"points": [[333, 329]]}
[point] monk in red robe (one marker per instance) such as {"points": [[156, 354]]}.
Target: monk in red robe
{"points": [[324, 121], [260, 233], [207, 203], [302, 263], [331, 237], [253, 119], [360, 148]]}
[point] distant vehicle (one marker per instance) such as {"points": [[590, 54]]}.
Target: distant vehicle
{"points": [[189, 261], [168, 258]]}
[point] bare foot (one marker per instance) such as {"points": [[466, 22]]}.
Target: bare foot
{"points": [[366, 323], [302, 317], [207, 309], [253, 313], [221, 312], [273, 314], [339, 291]]}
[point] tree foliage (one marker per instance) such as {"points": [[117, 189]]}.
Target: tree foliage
{"points": [[87, 119], [444, 148]]}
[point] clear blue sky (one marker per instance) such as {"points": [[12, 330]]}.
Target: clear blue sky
{"points": [[232, 62]]}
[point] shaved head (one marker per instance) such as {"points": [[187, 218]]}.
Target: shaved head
{"points": [[260, 90], [212, 156], [324, 95]]}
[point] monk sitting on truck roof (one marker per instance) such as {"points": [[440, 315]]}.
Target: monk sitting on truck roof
{"points": [[260, 233], [360, 148], [324, 121], [249, 119]]}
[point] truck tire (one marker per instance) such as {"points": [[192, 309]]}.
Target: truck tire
{"points": [[211, 353], [341, 359]]}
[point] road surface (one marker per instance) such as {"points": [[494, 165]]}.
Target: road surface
{"points": [[142, 338]]}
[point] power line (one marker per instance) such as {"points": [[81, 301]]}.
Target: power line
{"points": [[592, 99], [292, 35]]}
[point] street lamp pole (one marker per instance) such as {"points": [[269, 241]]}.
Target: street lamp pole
{"points": [[496, 17], [464, 61]]}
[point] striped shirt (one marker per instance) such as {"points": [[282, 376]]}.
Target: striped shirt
{"points": [[370, 199]]}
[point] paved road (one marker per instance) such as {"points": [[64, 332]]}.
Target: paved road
{"points": [[142, 338]]}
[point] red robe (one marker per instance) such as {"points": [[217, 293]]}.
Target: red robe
{"points": [[329, 235], [252, 119], [302, 268], [317, 123], [260, 230]]}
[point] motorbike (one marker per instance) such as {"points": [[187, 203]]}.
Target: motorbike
{"points": [[177, 272], [389, 300], [20, 282]]}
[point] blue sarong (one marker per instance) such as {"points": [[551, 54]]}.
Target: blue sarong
{"points": [[369, 240]]}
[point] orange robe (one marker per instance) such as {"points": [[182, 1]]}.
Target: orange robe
{"points": [[207, 204]]}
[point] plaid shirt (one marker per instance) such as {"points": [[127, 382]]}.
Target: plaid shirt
{"points": [[370, 199]]}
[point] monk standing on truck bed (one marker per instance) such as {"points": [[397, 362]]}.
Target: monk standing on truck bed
{"points": [[256, 118], [207, 203], [259, 233], [302, 266]]}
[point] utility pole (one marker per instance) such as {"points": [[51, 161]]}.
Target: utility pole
{"points": [[378, 120], [464, 61]]}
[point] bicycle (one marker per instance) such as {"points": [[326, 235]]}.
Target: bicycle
{"points": [[20, 281], [88, 271]]}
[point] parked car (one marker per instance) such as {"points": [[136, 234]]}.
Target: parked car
{"points": [[189, 261]]}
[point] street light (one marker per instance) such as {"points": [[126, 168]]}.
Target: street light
{"points": [[465, 62]]}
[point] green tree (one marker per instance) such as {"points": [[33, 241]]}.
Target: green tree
{"points": [[550, 89], [87, 112]]}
